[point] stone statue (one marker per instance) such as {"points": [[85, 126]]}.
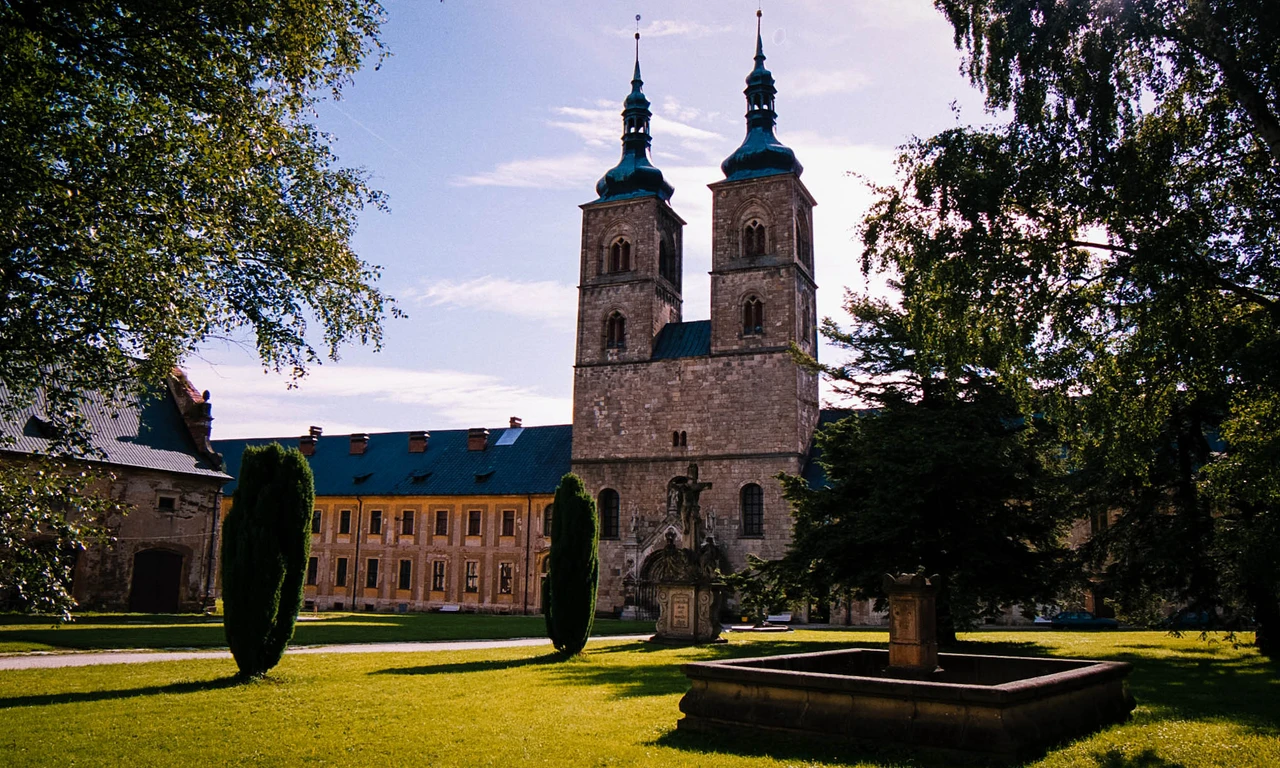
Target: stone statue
{"points": [[690, 511]]}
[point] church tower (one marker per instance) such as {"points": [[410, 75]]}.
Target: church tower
{"points": [[631, 249], [762, 283], [654, 393]]}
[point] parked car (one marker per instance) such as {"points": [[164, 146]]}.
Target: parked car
{"points": [[1189, 619], [1082, 620]]}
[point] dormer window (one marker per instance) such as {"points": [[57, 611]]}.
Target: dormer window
{"points": [[753, 239], [752, 317], [620, 255], [615, 332]]}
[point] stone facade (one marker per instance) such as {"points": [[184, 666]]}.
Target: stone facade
{"points": [[167, 537], [741, 409]]}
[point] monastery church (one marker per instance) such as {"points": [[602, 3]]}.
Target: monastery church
{"points": [[459, 519]]}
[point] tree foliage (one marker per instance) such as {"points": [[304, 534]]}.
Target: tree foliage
{"points": [[266, 545], [569, 597], [1111, 251], [942, 473], [164, 185], [51, 512]]}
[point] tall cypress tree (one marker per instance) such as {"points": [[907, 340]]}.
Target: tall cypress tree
{"points": [[570, 602], [265, 547]]}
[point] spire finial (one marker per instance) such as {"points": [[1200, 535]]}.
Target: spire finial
{"points": [[759, 41], [637, 76]]}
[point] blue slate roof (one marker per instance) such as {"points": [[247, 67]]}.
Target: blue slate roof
{"points": [[147, 432], [533, 463], [692, 339]]}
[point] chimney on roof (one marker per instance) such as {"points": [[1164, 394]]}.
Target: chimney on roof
{"points": [[418, 441], [515, 422], [359, 442], [307, 444], [477, 437], [314, 431]]}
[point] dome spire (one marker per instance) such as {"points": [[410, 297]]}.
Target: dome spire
{"points": [[634, 175], [761, 154]]}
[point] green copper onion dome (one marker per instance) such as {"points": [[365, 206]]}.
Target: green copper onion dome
{"points": [[634, 175], [761, 154]]}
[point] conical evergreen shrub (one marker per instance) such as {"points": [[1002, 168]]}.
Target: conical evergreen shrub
{"points": [[266, 542], [574, 570]]}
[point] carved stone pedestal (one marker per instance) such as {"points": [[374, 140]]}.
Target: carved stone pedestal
{"points": [[913, 630], [690, 614]]}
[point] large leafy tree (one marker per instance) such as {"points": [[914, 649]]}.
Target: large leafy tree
{"points": [[941, 474], [164, 184], [266, 544], [1112, 244]]}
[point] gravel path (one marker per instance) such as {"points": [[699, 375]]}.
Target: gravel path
{"points": [[43, 660]]}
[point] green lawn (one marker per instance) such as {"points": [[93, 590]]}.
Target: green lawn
{"points": [[116, 631], [1198, 705]]}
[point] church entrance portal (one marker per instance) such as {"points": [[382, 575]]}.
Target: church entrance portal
{"points": [[157, 581]]}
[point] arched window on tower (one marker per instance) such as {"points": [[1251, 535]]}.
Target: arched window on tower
{"points": [[620, 255], [610, 514], [752, 510], [615, 331], [753, 239], [667, 262], [804, 248], [752, 316]]}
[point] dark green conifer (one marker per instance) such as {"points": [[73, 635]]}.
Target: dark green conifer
{"points": [[265, 547], [570, 597]]}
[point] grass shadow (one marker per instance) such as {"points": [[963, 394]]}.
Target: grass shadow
{"points": [[1147, 758], [791, 749], [473, 666], [83, 697]]}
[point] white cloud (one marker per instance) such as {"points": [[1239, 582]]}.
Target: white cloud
{"points": [[249, 403], [672, 28], [562, 172], [812, 82], [540, 300]]}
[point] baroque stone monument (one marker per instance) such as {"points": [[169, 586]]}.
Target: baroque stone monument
{"points": [[690, 591], [913, 626]]}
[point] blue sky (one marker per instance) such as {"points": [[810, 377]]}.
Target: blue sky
{"points": [[489, 125]]}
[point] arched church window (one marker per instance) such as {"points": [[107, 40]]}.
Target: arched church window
{"points": [[752, 316], [753, 239], [675, 439], [610, 514], [615, 332], [752, 498], [804, 247], [547, 514], [684, 439], [620, 255], [667, 262]]}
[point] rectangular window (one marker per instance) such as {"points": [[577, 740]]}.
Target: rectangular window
{"points": [[406, 523], [437, 576], [508, 522], [340, 578], [313, 567], [504, 578], [375, 522], [166, 503], [442, 522], [344, 521], [473, 576], [406, 575], [473, 523], [315, 521], [371, 574]]}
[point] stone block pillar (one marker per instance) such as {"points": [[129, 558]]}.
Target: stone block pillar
{"points": [[913, 625]]}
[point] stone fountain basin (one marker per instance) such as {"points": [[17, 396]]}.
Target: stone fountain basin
{"points": [[1006, 707]]}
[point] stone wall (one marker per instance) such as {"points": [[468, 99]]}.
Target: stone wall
{"points": [[104, 576]]}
